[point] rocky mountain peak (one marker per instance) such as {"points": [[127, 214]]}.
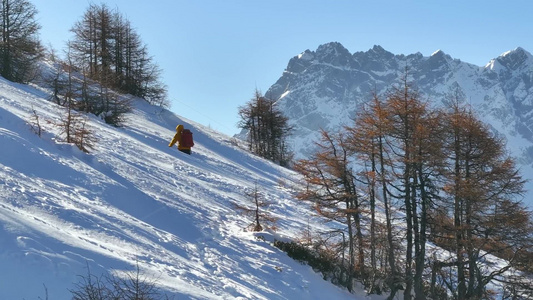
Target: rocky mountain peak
{"points": [[377, 52], [300, 62], [335, 84], [376, 59], [514, 59], [333, 48], [333, 53]]}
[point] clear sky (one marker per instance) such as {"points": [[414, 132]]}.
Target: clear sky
{"points": [[215, 53]]}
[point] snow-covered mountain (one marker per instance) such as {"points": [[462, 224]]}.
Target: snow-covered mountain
{"points": [[133, 201], [324, 88]]}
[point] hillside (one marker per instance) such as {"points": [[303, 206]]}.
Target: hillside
{"points": [[133, 201]]}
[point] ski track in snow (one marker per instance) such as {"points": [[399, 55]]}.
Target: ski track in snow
{"points": [[133, 201]]}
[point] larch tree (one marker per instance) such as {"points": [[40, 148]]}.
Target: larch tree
{"points": [[20, 48], [333, 192], [267, 129], [368, 141], [415, 146], [257, 211], [452, 183], [399, 144], [111, 52], [484, 186]]}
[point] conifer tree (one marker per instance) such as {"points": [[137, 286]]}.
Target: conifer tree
{"points": [[267, 129], [368, 141], [415, 139], [452, 182], [20, 48], [483, 186], [333, 192], [107, 47]]}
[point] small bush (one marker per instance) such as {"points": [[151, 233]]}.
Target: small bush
{"points": [[321, 260], [316, 259]]}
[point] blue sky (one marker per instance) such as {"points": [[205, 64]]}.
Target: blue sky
{"points": [[215, 53]]}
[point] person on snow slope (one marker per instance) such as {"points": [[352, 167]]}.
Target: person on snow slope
{"points": [[178, 138]]}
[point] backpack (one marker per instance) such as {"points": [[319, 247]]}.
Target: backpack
{"points": [[186, 138]]}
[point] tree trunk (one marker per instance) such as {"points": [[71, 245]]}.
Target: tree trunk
{"points": [[393, 280]]}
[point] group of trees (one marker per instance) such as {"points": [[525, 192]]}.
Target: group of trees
{"points": [[267, 129], [405, 177], [107, 49], [106, 56], [109, 58]]}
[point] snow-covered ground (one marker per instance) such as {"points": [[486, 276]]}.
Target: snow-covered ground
{"points": [[135, 201]]}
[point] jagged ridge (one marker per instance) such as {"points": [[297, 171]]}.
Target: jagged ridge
{"points": [[324, 88]]}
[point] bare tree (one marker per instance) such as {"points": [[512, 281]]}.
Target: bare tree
{"points": [[20, 48], [58, 83], [257, 211], [332, 190], [130, 286], [267, 129], [74, 128], [483, 184], [107, 47], [34, 122], [133, 286], [90, 287]]}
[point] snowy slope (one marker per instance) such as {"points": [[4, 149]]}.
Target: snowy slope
{"points": [[133, 200]]}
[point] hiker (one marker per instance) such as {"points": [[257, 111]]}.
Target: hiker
{"points": [[184, 139]]}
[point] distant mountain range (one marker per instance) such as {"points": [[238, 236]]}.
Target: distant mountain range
{"points": [[324, 88]]}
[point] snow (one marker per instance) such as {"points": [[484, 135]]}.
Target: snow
{"points": [[326, 96], [436, 52], [306, 56], [133, 201], [284, 94]]}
